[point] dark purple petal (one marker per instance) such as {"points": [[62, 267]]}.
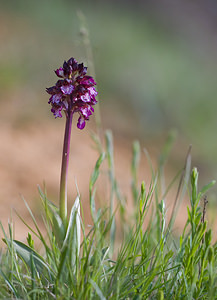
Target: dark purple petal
{"points": [[80, 90], [56, 110], [75, 67], [73, 64], [60, 72], [93, 101], [72, 61], [82, 70], [67, 69], [87, 80], [51, 90], [81, 123]]}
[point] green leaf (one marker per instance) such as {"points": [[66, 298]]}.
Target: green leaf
{"points": [[30, 241], [134, 170], [110, 150], [210, 254], [28, 254], [93, 179], [206, 188], [58, 228], [95, 173], [71, 244], [97, 289], [208, 237], [189, 213], [74, 218], [9, 284]]}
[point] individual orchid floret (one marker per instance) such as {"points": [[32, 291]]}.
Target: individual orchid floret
{"points": [[73, 92]]}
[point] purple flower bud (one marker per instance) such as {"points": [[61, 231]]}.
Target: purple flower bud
{"points": [[60, 72], [81, 123], [52, 90], [82, 70], [72, 62], [75, 92], [56, 110]]}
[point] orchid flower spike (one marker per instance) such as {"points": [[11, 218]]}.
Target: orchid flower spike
{"points": [[74, 92]]}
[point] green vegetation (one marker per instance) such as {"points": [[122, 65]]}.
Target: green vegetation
{"points": [[143, 261]]}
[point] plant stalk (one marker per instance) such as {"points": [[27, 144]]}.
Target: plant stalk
{"points": [[64, 169]]}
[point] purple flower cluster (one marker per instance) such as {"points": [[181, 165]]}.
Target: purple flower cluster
{"points": [[74, 92]]}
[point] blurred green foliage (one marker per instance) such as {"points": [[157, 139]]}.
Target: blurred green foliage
{"points": [[142, 65]]}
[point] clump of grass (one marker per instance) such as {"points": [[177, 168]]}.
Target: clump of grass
{"points": [[148, 263]]}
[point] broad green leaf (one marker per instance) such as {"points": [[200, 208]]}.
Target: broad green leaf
{"points": [[26, 253], [71, 244], [74, 216], [59, 229]]}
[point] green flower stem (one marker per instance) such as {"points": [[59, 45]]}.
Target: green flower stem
{"points": [[64, 170]]}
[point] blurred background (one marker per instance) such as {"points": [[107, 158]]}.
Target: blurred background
{"points": [[156, 70]]}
